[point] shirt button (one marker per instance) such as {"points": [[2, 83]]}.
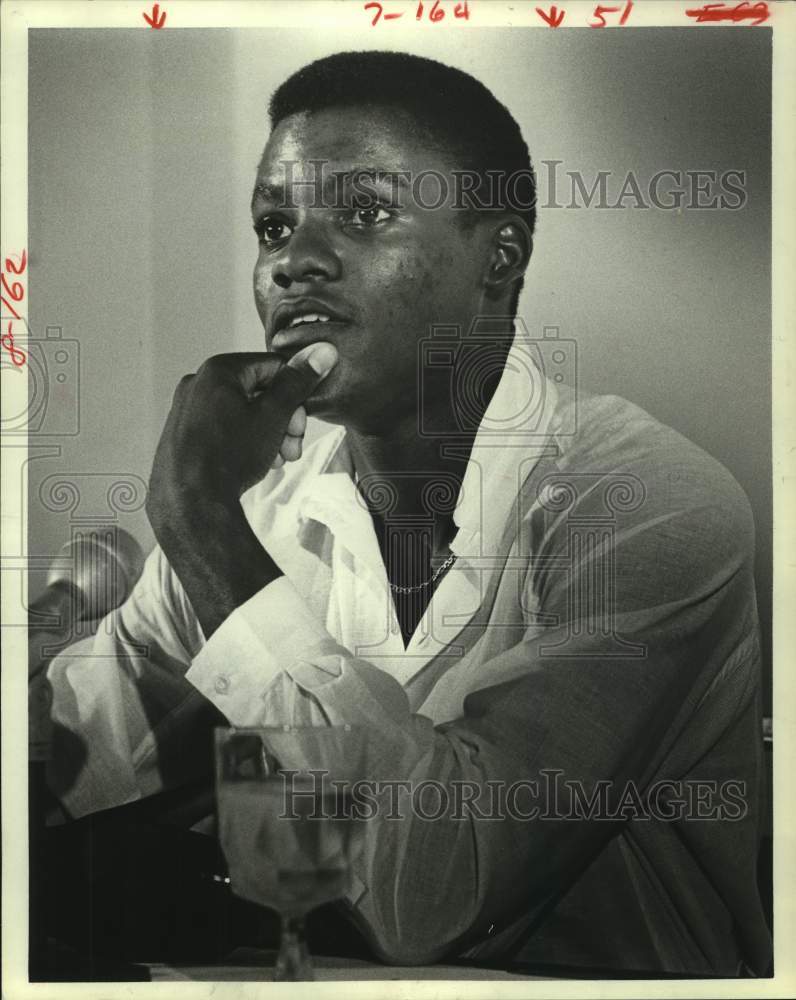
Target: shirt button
{"points": [[222, 685]]}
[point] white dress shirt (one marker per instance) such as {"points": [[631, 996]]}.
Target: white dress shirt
{"points": [[599, 619]]}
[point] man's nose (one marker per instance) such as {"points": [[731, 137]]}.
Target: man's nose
{"points": [[308, 256]]}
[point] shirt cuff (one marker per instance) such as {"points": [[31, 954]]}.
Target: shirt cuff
{"points": [[270, 632]]}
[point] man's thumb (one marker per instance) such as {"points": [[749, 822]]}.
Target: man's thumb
{"points": [[295, 380], [320, 357]]}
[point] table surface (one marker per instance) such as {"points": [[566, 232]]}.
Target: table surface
{"points": [[251, 965]]}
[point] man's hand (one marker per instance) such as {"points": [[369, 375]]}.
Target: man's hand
{"points": [[229, 424], [234, 419]]}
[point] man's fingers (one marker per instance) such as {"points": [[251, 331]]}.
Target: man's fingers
{"points": [[319, 358], [275, 388], [294, 382], [264, 374], [293, 441], [297, 424], [290, 449], [251, 370]]}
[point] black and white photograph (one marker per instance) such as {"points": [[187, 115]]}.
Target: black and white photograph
{"points": [[395, 430]]}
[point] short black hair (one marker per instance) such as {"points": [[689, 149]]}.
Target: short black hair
{"points": [[457, 112]]}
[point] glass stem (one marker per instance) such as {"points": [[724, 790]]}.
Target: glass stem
{"points": [[293, 963]]}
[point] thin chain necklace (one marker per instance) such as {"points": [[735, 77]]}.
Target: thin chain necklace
{"points": [[426, 583]]}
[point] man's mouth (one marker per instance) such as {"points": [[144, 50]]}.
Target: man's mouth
{"points": [[308, 318], [301, 316]]}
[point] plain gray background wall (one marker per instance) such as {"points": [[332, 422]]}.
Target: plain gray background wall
{"points": [[143, 147]]}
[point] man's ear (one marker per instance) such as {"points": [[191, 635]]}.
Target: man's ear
{"points": [[512, 246]]}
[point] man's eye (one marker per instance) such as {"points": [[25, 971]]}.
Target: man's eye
{"points": [[372, 216], [271, 230]]}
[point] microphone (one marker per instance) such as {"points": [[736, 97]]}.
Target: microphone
{"points": [[92, 574]]}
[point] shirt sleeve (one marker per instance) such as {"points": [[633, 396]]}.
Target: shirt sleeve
{"points": [[126, 722], [566, 700]]}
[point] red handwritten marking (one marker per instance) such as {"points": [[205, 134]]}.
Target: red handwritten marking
{"points": [[155, 21], [757, 12], [23, 261], [18, 356], [553, 18], [9, 307], [435, 14], [16, 292], [379, 13], [600, 11]]}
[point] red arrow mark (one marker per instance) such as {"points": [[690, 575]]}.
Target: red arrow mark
{"points": [[155, 21], [553, 18]]}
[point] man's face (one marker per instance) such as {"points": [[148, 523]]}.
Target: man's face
{"points": [[383, 274]]}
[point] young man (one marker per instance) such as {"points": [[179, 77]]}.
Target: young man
{"points": [[539, 604]]}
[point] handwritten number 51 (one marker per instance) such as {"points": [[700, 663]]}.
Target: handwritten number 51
{"points": [[600, 11]]}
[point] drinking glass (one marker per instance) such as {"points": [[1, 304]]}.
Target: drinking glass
{"points": [[290, 834]]}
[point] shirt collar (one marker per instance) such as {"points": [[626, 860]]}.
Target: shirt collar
{"points": [[511, 438]]}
